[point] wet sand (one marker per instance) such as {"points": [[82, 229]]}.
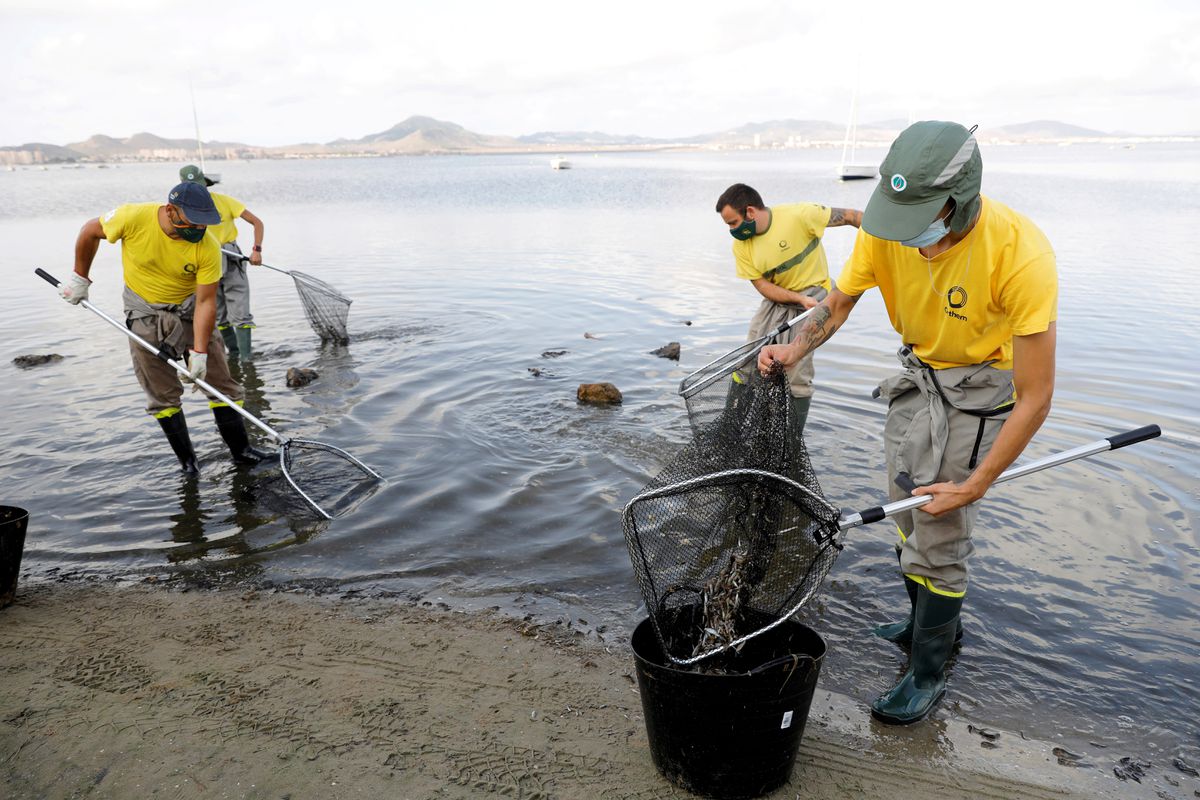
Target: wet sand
{"points": [[133, 692]]}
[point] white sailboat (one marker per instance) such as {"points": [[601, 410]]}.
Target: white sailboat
{"points": [[851, 169], [200, 144]]}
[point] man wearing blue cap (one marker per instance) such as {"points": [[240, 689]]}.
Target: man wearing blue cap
{"points": [[971, 286], [171, 269]]}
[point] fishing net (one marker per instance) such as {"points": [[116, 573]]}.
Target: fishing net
{"points": [[705, 390], [327, 309], [735, 534], [331, 481]]}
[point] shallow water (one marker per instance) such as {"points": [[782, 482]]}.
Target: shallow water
{"points": [[467, 271]]}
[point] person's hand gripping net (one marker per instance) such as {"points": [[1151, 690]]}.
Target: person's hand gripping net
{"points": [[775, 358]]}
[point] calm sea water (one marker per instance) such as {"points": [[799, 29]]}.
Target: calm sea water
{"points": [[503, 491]]}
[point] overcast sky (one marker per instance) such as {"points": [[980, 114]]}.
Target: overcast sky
{"points": [[276, 72]]}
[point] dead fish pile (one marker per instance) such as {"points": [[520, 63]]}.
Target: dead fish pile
{"points": [[724, 595]]}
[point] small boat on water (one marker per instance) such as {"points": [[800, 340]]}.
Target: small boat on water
{"points": [[558, 162], [849, 170]]}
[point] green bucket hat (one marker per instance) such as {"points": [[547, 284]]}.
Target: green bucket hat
{"points": [[929, 163], [193, 174]]}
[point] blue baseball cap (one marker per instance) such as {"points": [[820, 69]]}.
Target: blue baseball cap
{"points": [[196, 203]]}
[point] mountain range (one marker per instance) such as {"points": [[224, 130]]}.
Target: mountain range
{"points": [[420, 135]]}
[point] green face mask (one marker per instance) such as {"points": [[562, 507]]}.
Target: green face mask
{"points": [[192, 235], [744, 231], [188, 234]]}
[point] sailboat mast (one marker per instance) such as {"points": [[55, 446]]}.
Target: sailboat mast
{"points": [[196, 122]]}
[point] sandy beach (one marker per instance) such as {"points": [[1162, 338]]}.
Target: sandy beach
{"points": [[141, 691]]}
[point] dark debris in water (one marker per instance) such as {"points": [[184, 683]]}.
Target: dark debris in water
{"points": [[1068, 759], [1186, 768], [554, 353], [1130, 768], [27, 362], [300, 376], [986, 733]]}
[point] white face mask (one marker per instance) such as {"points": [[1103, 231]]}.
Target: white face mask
{"points": [[936, 231]]}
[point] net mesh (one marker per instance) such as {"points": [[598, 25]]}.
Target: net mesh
{"points": [[735, 534], [705, 390], [329, 479], [327, 309]]}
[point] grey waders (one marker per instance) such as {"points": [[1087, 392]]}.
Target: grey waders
{"points": [[175, 427], [901, 632], [934, 624], [233, 431]]}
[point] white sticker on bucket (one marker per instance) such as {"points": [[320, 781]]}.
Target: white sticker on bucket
{"points": [[787, 720]]}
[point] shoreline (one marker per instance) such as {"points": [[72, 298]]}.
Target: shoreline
{"points": [[113, 691]]}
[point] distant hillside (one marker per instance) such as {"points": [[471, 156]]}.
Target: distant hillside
{"points": [[38, 153], [1045, 129], [150, 147], [425, 135], [791, 132], [418, 135], [585, 139]]}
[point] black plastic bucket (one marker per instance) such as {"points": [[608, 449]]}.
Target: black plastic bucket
{"points": [[13, 522], [730, 735]]}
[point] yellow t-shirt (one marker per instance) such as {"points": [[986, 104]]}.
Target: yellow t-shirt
{"points": [[963, 306], [229, 209], [160, 269], [789, 253]]}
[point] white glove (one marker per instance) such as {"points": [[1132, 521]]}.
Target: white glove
{"points": [[74, 289], [197, 366]]}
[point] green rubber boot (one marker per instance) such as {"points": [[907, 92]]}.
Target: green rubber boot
{"points": [[935, 621], [901, 632], [243, 342], [231, 343], [175, 427], [798, 415]]}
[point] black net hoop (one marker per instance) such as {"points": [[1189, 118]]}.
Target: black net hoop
{"points": [[734, 535], [705, 390], [327, 309], [331, 481]]}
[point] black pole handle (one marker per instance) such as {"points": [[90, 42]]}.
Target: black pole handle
{"points": [[46, 276], [1134, 436]]}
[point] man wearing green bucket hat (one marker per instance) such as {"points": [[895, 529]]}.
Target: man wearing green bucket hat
{"points": [[971, 286], [234, 319]]}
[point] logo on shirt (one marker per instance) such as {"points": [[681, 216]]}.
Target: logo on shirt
{"points": [[899, 184], [956, 298], [190, 269], [783, 244]]}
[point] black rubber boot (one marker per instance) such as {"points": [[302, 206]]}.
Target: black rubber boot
{"points": [[233, 431], [932, 643], [231, 342], [175, 427], [901, 632]]}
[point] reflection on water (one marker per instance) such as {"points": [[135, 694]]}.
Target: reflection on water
{"points": [[502, 490]]}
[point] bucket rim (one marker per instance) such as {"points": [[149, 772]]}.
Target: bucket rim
{"points": [[669, 665]]}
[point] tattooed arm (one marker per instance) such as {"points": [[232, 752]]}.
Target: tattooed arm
{"points": [[830, 315], [844, 216]]}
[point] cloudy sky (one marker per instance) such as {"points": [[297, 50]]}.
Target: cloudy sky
{"points": [[275, 72]]}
